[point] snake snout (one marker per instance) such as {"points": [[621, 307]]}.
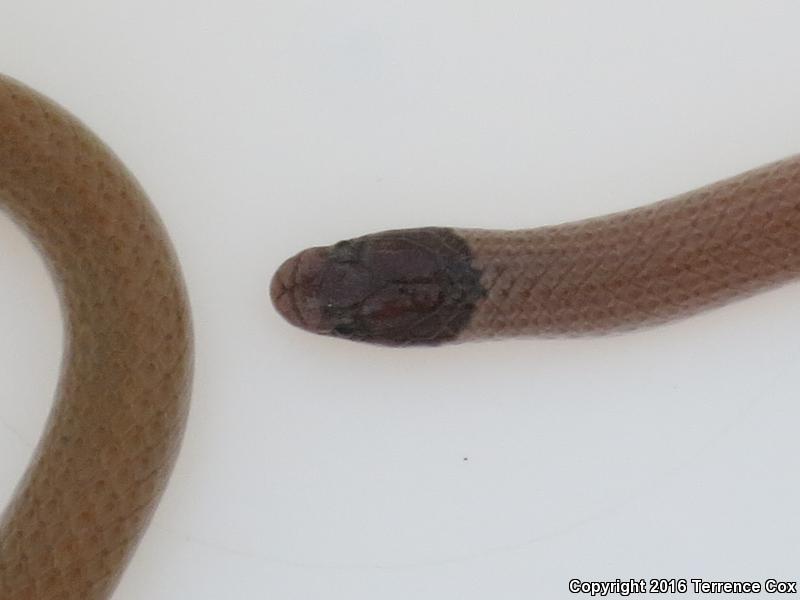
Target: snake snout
{"points": [[294, 289]]}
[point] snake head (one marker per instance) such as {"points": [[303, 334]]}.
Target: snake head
{"points": [[414, 286]]}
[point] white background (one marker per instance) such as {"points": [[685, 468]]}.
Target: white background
{"points": [[314, 468]]}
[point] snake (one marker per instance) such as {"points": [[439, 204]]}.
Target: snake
{"points": [[121, 403], [607, 274]]}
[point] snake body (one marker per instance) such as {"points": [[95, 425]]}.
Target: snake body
{"points": [[121, 402], [640, 267]]}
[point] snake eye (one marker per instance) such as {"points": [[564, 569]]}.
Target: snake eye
{"points": [[344, 330], [346, 251]]}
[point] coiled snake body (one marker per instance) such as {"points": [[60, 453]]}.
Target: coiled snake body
{"points": [[121, 403]]}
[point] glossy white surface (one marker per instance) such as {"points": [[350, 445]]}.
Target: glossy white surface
{"points": [[314, 468]]}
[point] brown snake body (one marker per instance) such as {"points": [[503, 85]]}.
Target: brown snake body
{"points": [[625, 270], [121, 403]]}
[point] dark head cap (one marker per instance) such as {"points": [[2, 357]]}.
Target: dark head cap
{"points": [[414, 286]]}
